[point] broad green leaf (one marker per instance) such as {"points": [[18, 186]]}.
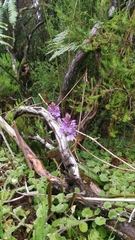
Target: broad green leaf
{"points": [[60, 197], [83, 226], [103, 177], [59, 208], [112, 214], [100, 221], [121, 219], [4, 159], [94, 235], [107, 205], [103, 232], [39, 211], [88, 172], [97, 211], [87, 212]]}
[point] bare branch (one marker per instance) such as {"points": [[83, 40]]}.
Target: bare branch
{"points": [[67, 157]]}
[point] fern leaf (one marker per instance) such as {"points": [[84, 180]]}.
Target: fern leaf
{"points": [[1, 12], [12, 11], [60, 45], [63, 49], [4, 43]]}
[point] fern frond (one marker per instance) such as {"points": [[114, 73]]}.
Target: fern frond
{"points": [[5, 36], [3, 25], [61, 37], [12, 11], [1, 12], [10, 5], [4, 43], [60, 45], [63, 49]]}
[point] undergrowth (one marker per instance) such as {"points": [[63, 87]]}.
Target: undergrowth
{"points": [[25, 199]]}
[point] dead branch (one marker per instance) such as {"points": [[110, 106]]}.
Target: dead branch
{"points": [[67, 157]]}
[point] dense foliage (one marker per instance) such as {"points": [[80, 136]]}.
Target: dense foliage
{"points": [[38, 41]]}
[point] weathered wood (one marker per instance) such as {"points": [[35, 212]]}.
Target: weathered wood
{"points": [[72, 72], [67, 157]]}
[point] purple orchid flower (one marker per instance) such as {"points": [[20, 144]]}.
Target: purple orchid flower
{"points": [[68, 127], [54, 110]]}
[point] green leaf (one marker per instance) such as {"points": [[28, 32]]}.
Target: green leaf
{"points": [[56, 222], [121, 219], [59, 208], [97, 211], [3, 159], [87, 213], [107, 205], [19, 211], [100, 221], [88, 172], [53, 237], [83, 226], [12, 11], [112, 214], [103, 232], [103, 177], [84, 154], [60, 197], [94, 235], [6, 209], [39, 211]]}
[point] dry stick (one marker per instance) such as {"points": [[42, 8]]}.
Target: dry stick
{"points": [[87, 200], [14, 199], [42, 99], [6, 142], [49, 197], [94, 140]]}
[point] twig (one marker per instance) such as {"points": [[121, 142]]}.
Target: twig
{"points": [[26, 187], [103, 199], [14, 199], [131, 215], [43, 141], [6, 142]]}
